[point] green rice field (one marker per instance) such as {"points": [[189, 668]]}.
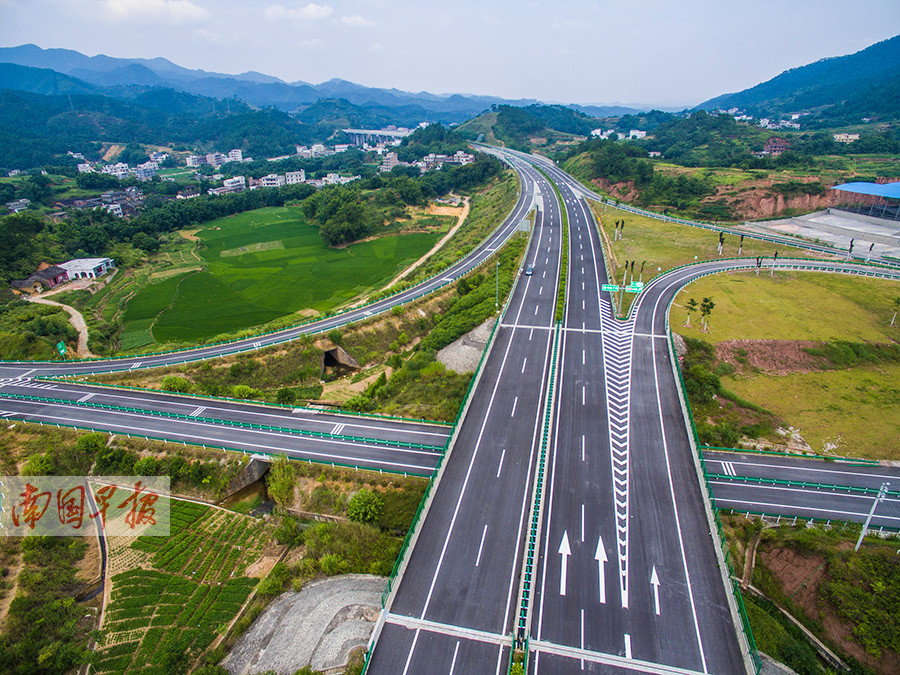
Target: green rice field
{"points": [[262, 265]]}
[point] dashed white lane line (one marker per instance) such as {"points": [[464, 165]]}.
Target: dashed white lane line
{"points": [[453, 663], [515, 403], [481, 546], [500, 465], [412, 648], [627, 646], [524, 363]]}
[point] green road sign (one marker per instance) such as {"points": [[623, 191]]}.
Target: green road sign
{"points": [[611, 288], [61, 348], [634, 287]]}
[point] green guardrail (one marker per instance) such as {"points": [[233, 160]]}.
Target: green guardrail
{"points": [[809, 246], [531, 543], [222, 422], [827, 458], [804, 485], [781, 518]]}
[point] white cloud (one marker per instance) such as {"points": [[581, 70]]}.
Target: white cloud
{"points": [[312, 43], [171, 11], [356, 20], [309, 12]]}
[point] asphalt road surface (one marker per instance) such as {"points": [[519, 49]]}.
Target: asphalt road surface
{"points": [[457, 598]]}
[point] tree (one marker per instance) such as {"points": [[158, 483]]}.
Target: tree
{"points": [[706, 308], [689, 307], [896, 309]]}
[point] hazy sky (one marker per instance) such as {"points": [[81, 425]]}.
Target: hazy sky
{"points": [[667, 52]]}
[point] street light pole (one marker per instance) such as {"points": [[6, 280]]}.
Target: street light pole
{"points": [[497, 292], [882, 493]]}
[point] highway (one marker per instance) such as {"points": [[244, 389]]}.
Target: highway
{"points": [[456, 598], [627, 576], [628, 573]]}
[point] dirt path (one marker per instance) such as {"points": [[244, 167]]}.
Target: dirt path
{"points": [[443, 240], [76, 320]]}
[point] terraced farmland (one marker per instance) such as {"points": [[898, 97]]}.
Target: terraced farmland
{"points": [[171, 596]]}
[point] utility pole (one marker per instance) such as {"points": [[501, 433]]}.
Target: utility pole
{"points": [[882, 493]]}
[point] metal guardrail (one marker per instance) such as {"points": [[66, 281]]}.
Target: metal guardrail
{"points": [[206, 446], [803, 485], [532, 544], [772, 239], [221, 422]]}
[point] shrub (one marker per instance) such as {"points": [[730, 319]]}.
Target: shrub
{"points": [[365, 506], [335, 335], [286, 396], [176, 384]]}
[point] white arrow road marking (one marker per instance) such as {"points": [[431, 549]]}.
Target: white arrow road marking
{"points": [[654, 581], [600, 557], [565, 550]]}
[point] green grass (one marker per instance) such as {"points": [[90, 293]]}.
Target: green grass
{"points": [[252, 288], [791, 306], [853, 412]]}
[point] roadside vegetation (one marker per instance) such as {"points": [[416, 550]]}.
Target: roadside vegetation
{"points": [[846, 599]]}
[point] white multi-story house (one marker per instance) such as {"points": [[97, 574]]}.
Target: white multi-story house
{"points": [[636, 133], [235, 155], [194, 160], [236, 183], [271, 181], [295, 177], [845, 138], [85, 168], [317, 150]]}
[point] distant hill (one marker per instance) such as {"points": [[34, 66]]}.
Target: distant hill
{"points": [[528, 127], [826, 83], [41, 81], [254, 88]]}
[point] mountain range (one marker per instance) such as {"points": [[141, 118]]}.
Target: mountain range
{"points": [[119, 77]]}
